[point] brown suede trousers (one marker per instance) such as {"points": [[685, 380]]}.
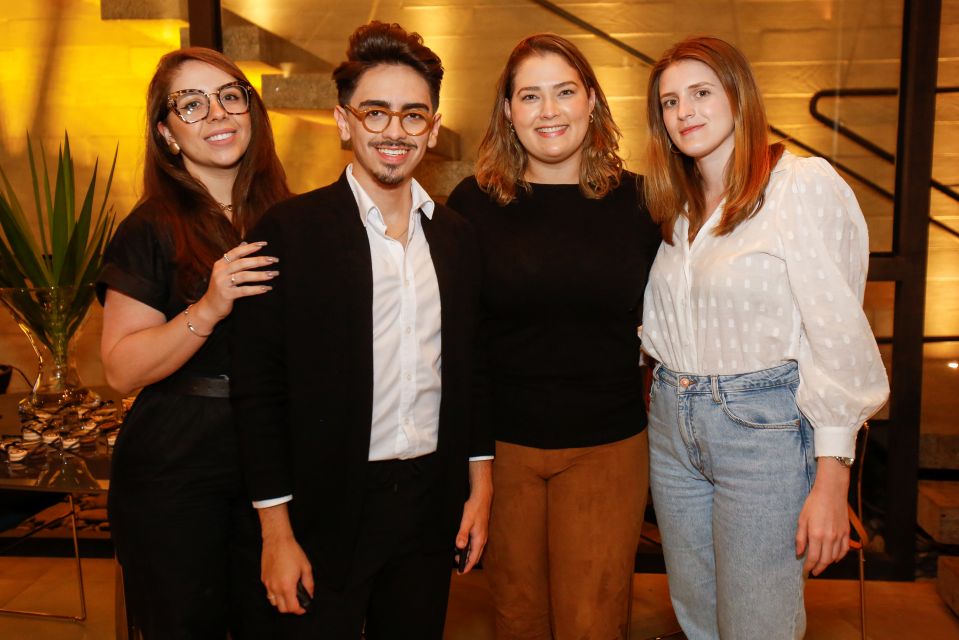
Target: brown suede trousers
{"points": [[564, 530]]}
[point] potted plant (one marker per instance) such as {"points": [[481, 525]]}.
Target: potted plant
{"points": [[47, 274]]}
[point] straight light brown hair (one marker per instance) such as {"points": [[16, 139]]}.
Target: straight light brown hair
{"points": [[502, 161], [673, 181], [199, 230]]}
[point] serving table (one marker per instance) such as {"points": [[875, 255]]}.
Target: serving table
{"points": [[50, 469]]}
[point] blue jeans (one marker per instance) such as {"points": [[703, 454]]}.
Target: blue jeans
{"points": [[731, 463]]}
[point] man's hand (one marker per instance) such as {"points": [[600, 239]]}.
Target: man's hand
{"points": [[474, 527], [823, 531], [283, 563]]}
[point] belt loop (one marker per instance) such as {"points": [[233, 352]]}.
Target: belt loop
{"points": [[714, 387]]}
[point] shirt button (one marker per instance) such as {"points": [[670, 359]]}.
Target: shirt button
{"points": [[406, 282], [684, 382], [409, 376], [409, 330]]}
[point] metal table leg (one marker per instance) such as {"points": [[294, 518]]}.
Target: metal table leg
{"points": [[76, 553]]}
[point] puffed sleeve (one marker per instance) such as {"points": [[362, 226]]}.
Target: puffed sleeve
{"points": [[137, 263], [826, 246]]}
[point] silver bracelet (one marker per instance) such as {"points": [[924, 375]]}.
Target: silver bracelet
{"points": [[189, 325]]}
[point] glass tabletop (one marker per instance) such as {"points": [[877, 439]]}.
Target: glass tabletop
{"points": [[47, 465]]}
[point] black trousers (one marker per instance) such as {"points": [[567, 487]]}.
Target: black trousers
{"points": [[185, 533], [190, 564], [398, 586]]}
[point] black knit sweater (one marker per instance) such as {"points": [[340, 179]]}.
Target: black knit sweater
{"points": [[563, 281]]}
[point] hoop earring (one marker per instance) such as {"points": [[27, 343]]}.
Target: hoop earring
{"points": [[590, 116], [673, 148], [173, 147]]}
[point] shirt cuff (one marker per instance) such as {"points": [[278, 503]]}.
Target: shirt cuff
{"points": [[834, 442], [480, 458], [272, 502]]}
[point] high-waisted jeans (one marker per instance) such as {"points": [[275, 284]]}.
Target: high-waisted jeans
{"points": [[731, 464]]}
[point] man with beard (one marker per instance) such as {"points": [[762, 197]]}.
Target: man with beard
{"points": [[353, 377]]}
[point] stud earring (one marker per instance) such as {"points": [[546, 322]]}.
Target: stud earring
{"points": [[173, 147], [590, 116]]}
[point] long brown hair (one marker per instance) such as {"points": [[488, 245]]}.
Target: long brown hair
{"points": [[501, 165], [672, 179], [200, 232]]}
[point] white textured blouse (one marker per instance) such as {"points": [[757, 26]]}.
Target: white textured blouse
{"points": [[787, 284]]}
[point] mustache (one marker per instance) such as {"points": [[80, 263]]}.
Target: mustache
{"points": [[393, 143]]}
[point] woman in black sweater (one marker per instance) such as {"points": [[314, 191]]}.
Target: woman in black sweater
{"points": [[567, 245]]}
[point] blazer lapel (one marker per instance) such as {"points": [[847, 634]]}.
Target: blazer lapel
{"points": [[355, 250]]}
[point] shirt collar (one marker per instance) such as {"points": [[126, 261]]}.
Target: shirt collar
{"points": [[421, 200]]}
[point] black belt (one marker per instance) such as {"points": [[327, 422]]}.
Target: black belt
{"points": [[203, 386]]}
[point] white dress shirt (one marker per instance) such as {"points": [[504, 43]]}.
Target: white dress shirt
{"points": [[407, 354], [787, 284], [407, 358]]}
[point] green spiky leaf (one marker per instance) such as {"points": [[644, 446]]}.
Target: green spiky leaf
{"points": [[62, 255]]}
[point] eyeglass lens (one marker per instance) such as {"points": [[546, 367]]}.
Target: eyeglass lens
{"points": [[195, 105], [413, 122]]}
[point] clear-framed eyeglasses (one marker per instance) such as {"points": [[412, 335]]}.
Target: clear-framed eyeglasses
{"points": [[193, 105], [415, 122]]}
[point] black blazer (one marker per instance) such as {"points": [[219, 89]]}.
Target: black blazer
{"points": [[302, 361]]}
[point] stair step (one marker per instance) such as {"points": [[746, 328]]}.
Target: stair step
{"points": [[938, 510], [299, 91], [947, 582], [143, 9], [244, 41]]}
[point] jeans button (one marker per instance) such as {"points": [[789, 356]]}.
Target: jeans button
{"points": [[684, 382]]}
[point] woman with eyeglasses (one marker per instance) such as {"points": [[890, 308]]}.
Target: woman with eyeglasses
{"points": [[566, 244], [768, 365], [185, 534]]}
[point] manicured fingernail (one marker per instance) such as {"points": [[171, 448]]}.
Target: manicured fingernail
{"points": [[243, 243], [267, 288], [271, 259], [273, 274], [261, 243]]}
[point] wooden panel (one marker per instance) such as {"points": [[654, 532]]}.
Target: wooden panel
{"points": [[947, 581], [938, 510]]}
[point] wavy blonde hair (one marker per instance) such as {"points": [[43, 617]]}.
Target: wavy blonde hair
{"points": [[673, 181], [502, 161]]}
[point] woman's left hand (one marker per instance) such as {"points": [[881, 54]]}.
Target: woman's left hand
{"points": [[823, 532]]}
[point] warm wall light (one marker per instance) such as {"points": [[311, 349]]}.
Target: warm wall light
{"points": [[953, 365]]}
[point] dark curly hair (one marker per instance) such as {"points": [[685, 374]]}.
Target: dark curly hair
{"points": [[381, 43]]}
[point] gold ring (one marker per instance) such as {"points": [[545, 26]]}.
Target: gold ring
{"points": [[227, 258], [233, 279]]}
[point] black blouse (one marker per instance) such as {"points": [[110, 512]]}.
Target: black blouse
{"points": [[563, 283], [140, 262]]}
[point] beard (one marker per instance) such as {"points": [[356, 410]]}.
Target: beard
{"points": [[390, 176]]}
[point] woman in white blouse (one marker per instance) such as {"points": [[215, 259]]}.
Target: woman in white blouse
{"points": [[767, 364]]}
